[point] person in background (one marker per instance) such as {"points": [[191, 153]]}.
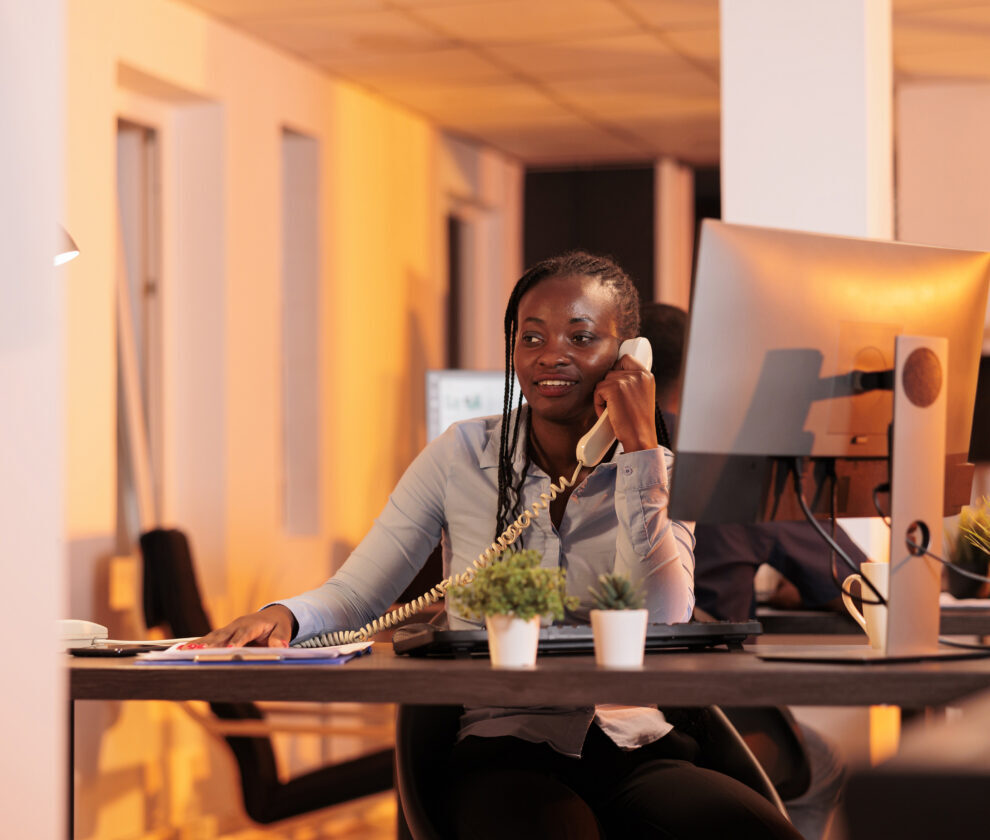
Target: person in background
{"points": [[728, 556], [727, 560]]}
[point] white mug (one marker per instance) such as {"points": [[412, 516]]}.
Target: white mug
{"points": [[873, 618]]}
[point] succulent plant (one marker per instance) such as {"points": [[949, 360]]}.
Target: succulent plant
{"points": [[616, 592]]}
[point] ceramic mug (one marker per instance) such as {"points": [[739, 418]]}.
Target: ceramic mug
{"points": [[873, 618]]}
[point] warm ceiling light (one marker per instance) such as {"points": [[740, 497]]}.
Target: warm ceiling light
{"points": [[66, 248]]}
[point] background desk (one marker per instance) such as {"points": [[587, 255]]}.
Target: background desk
{"points": [[674, 679], [961, 621]]}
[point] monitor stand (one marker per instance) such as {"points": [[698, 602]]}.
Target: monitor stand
{"points": [[917, 507]]}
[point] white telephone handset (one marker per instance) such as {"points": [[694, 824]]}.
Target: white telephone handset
{"points": [[593, 446], [590, 450]]}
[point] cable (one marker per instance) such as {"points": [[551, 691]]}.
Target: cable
{"points": [[952, 567], [343, 637], [799, 492], [881, 488]]}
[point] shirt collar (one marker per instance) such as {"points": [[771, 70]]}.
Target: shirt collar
{"points": [[489, 454]]}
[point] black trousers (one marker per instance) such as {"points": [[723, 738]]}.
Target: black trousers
{"points": [[509, 788]]}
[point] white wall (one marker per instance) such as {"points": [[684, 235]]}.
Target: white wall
{"points": [[222, 101], [943, 171], [33, 700]]}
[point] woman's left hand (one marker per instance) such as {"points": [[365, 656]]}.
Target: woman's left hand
{"points": [[629, 393]]}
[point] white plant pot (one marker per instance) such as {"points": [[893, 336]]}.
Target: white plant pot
{"points": [[512, 642], [620, 637]]}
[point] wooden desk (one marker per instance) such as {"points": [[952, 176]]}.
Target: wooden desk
{"points": [[966, 621], [675, 679]]}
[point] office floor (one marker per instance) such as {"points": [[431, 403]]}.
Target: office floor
{"points": [[372, 818]]}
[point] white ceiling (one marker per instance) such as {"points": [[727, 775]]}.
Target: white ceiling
{"points": [[568, 81]]}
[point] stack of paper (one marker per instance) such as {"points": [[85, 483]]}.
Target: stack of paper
{"points": [[178, 654]]}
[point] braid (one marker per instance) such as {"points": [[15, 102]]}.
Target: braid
{"points": [[575, 263]]}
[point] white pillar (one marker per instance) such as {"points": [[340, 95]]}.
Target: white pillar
{"points": [[807, 128], [33, 701], [806, 115], [674, 232], [943, 133]]}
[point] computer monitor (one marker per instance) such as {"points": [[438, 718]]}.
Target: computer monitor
{"points": [[859, 357], [779, 322], [453, 395]]}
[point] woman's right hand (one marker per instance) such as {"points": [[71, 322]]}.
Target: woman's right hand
{"points": [[271, 627]]}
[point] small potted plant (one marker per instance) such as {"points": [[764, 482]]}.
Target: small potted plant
{"points": [[971, 551], [512, 595], [618, 622]]}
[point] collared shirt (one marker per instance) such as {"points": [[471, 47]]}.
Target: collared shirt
{"points": [[614, 521]]}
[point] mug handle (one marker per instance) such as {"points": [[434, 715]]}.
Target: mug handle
{"points": [[856, 614]]}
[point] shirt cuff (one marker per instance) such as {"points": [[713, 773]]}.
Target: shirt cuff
{"points": [[645, 468]]}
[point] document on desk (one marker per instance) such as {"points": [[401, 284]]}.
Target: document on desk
{"points": [[177, 655]]}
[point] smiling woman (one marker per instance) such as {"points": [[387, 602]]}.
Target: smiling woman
{"points": [[562, 771]]}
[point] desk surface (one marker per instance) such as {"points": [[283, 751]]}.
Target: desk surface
{"points": [[675, 679]]}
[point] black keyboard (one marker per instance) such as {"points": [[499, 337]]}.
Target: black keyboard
{"points": [[430, 640]]}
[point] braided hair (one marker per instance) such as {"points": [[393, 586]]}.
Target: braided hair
{"points": [[572, 264]]}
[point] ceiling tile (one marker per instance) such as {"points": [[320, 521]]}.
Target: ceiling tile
{"points": [[582, 57], [900, 6], [677, 13], [912, 40], [574, 143], [376, 33], [528, 21], [235, 10], [646, 96], [691, 140], [436, 67], [699, 44], [511, 105], [951, 64]]}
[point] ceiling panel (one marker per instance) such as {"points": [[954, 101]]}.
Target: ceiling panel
{"points": [[356, 34], [243, 9], [676, 13], [574, 144], [568, 80], [582, 57], [643, 96], [397, 71], [528, 21], [690, 140]]}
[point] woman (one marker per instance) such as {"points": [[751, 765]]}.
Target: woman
{"points": [[549, 772]]}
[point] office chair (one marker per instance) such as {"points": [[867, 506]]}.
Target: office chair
{"points": [[171, 597], [425, 734], [773, 736]]}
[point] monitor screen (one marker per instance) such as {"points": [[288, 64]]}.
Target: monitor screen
{"points": [[453, 395], [779, 322]]}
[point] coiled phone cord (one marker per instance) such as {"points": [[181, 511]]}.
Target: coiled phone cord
{"points": [[343, 637]]}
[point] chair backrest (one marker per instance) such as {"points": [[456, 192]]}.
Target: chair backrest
{"points": [[425, 735], [171, 594], [773, 735], [171, 597]]}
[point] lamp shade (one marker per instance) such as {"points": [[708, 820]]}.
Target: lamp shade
{"points": [[65, 248]]}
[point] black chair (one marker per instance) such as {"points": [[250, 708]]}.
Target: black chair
{"points": [[773, 736], [425, 734], [171, 597]]}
